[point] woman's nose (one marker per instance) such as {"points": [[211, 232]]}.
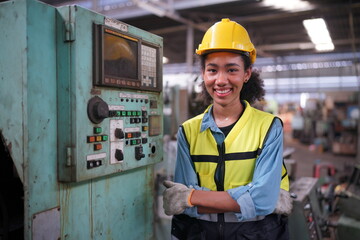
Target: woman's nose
{"points": [[221, 78]]}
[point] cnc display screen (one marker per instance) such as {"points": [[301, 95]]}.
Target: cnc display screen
{"points": [[120, 59]]}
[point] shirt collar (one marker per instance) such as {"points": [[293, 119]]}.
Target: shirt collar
{"points": [[208, 119]]}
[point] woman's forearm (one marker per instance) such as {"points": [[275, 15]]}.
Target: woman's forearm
{"points": [[214, 202]]}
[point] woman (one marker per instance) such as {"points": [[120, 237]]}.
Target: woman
{"points": [[229, 168]]}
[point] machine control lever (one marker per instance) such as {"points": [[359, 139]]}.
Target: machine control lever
{"points": [[97, 110]]}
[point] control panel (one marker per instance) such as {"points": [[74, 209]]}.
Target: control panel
{"points": [[109, 96]]}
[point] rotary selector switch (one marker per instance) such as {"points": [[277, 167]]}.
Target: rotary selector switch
{"points": [[97, 109]]}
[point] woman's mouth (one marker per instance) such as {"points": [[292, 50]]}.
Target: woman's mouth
{"points": [[222, 92]]}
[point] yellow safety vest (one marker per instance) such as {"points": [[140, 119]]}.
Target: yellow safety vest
{"points": [[241, 148]]}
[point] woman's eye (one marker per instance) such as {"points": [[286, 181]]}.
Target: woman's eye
{"points": [[211, 70], [232, 70]]}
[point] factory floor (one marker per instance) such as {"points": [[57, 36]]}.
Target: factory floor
{"points": [[305, 158]]}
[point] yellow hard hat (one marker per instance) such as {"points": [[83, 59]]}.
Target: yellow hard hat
{"points": [[227, 35]]}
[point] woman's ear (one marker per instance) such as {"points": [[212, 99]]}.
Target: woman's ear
{"points": [[247, 74]]}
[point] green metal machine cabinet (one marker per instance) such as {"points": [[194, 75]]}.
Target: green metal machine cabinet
{"points": [[306, 218], [81, 117]]}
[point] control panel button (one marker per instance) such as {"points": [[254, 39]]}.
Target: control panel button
{"points": [[97, 130], [91, 139], [97, 146], [93, 164], [105, 138]]}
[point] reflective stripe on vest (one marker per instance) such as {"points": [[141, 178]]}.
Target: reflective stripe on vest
{"points": [[242, 146]]}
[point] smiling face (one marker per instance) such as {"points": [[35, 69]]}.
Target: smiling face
{"points": [[224, 76]]}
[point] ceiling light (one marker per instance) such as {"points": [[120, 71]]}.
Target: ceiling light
{"points": [[319, 34], [165, 60], [288, 5]]}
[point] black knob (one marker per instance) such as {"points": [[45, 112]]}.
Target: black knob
{"points": [[119, 155], [97, 110], [139, 153], [119, 133]]}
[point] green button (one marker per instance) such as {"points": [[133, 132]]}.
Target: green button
{"points": [[139, 113], [118, 113], [123, 113], [134, 113], [128, 113], [105, 137], [97, 130]]}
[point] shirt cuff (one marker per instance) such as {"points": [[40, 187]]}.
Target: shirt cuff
{"points": [[242, 196], [247, 207], [192, 212]]}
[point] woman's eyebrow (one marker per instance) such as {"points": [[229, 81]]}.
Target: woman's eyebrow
{"points": [[211, 65], [226, 65], [232, 65]]}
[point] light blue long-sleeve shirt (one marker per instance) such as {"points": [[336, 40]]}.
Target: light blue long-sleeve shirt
{"points": [[256, 199]]}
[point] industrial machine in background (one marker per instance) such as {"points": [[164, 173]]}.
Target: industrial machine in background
{"points": [[306, 218], [81, 124], [325, 209], [348, 224]]}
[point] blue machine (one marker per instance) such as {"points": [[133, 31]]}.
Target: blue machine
{"points": [[81, 121]]}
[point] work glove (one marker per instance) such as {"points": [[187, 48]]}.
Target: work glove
{"points": [[284, 204], [176, 198]]}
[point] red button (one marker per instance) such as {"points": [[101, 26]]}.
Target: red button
{"points": [[97, 146], [90, 139]]}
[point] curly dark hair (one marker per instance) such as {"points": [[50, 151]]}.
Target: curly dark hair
{"points": [[252, 91]]}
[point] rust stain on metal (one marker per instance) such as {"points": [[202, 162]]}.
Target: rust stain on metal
{"points": [[65, 207], [95, 91]]}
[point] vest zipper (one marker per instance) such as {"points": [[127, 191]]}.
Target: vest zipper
{"points": [[220, 168], [219, 180]]}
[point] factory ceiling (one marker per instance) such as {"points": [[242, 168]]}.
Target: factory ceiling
{"points": [[276, 30]]}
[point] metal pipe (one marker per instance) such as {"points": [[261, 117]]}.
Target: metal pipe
{"points": [[356, 63], [189, 48]]}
